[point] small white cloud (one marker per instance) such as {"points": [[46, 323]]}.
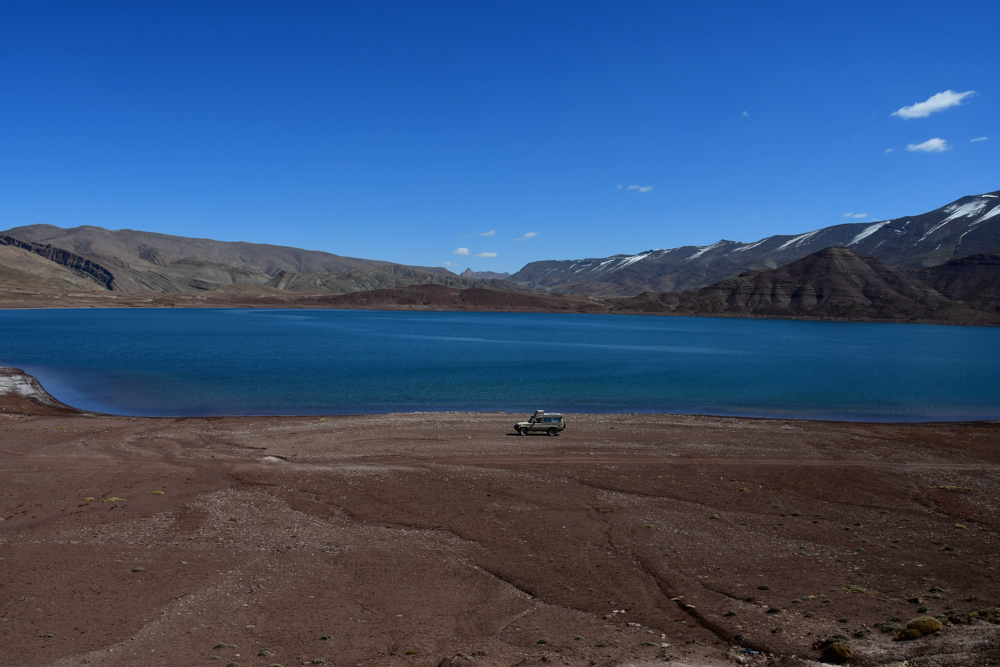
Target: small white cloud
{"points": [[460, 251], [492, 232], [487, 254], [854, 215], [933, 104], [889, 150], [980, 139], [450, 264], [930, 146], [527, 236], [619, 187], [746, 114], [640, 188]]}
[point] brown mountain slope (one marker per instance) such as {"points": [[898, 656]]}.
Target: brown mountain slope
{"points": [[838, 283], [142, 262], [25, 269], [135, 261]]}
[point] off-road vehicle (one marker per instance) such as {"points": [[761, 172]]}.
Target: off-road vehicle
{"points": [[541, 422]]}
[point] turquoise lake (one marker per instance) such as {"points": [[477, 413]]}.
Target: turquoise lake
{"points": [[273, 362]]}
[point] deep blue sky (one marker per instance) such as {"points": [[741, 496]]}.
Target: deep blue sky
{"points": [[402, 130]]}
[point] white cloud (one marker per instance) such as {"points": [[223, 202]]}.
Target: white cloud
{"points": [[487, 254], [451, 264], [746, 114], [527, 236], [930, 146], [980, 139], [492, 232], [460, 251], [854, 215], [640, 188], [889, 150], [934, 103]]}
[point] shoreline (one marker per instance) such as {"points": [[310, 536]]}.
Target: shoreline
{"points": [[563, 304]]}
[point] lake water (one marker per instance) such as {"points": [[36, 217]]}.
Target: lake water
{"points": [[231, 362]]}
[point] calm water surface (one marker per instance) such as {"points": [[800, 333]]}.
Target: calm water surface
{"points": [[230, 362]]}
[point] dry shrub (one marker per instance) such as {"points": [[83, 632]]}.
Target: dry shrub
{"points": [[919, 627]]}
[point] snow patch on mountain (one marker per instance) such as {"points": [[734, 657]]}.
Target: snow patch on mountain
{"points": [[632, 260], [798, 240], [868, 231], [750, 246], [990, 214], [957, 211], [703, 249]]}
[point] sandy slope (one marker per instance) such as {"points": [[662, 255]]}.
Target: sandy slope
{"points": [[416, 538]]}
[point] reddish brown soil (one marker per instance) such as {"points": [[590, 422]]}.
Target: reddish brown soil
{"points": [[412, 539]]}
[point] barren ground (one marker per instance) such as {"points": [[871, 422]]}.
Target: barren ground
{"points": [[417, 539]]}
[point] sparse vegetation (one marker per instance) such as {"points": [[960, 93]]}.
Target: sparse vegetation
{"points": [[543, 640], [856, 589], [920, 627], [836, 649], [138, 569]]}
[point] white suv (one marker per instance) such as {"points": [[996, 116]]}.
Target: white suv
{"points": [[542, 422]]}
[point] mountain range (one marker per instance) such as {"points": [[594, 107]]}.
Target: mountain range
{"points": [[938, 266], [968, 226]]}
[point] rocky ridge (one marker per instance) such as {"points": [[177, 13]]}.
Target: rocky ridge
{"points": [[837, 283], [968, 226]]}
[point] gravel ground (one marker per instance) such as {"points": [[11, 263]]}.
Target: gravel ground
{"points": [[443, 538]]}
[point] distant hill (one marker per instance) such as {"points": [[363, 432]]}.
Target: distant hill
{"points": [[487, 275], [838, 283], [134, 261], [968, 226]]}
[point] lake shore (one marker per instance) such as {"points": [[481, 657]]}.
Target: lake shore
{"points": [[416, 538], [410, 299]]}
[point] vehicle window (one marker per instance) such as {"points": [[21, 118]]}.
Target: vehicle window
{"points": [[557, 419], [547, 419]]}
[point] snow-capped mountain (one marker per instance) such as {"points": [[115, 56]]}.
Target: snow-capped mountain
{"points": [[968, 226]]}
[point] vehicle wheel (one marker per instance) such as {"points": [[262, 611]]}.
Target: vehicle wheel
{"points": [[523, 430], [553, 431]]}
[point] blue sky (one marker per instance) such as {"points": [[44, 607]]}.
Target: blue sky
{"points": [[406, 131]]}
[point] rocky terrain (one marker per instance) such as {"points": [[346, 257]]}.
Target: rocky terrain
{"points": [[968, 226], [837, 283], [445, 539]]}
